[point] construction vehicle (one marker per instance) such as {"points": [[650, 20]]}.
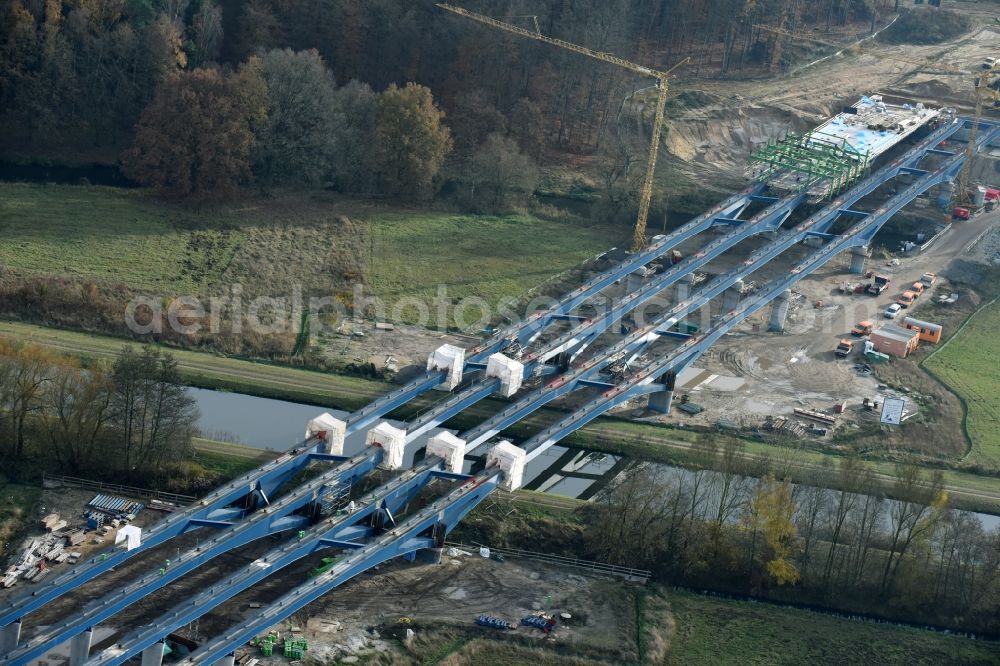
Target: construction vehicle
{"points": [[879, 284], [928, 279], [862, 328], [662, 81], [918, 288], [844, 348], [961, 213], [906, 299], [325, 565]]}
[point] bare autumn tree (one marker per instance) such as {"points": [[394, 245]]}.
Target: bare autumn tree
{"points": [[27, 372], [194, 138], [630, 517], [413, 141], [920, 505], [77, 410], [151, 412], [206, 33], [501, 170]]}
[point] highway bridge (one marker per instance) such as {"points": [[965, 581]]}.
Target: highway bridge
{"points": [[549, 356]]}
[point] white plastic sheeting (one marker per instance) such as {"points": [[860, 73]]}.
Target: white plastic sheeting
{"points": [[452, 449], [131, 535], [334, 432], [508, 371], [510, 459], [392, 440], [451, 359]]}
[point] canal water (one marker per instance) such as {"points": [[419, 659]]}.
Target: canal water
{"points": [[279, 425]]}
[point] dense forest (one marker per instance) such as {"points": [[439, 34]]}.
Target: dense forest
{"points": [[330, 92]]}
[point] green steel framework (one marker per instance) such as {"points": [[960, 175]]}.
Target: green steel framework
{"points": [[814, 157]]}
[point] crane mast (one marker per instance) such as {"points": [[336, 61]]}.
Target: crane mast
{"points": [[662, 79], [984, 88]]}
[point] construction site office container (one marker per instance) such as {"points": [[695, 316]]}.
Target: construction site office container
{"points": [[895, 340], [926, 331]]}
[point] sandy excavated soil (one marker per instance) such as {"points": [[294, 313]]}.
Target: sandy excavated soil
{"points": [[455, 592]]}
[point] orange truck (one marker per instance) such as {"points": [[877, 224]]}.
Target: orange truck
{"points": [[862, 328], [906, 299], [844, 348]]}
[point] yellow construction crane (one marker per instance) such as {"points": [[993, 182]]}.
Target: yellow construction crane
{"points": [[662, 78], [984, 90]]}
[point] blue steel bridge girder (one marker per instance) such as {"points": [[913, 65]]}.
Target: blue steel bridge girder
{"points": [[539, 398], [393, 495], [580, 336], [277, 518], [860, 234], [454, 404], [411, 536], [576, 340], [731, 207], [214, 506]]}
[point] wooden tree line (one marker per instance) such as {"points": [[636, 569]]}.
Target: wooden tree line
{"points": [[911, 556]]}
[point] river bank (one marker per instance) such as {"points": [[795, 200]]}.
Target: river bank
{"points": [[610, 435]]}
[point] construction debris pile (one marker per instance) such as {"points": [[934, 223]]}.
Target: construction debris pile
{"points": [[59, 544], [44, 551]]}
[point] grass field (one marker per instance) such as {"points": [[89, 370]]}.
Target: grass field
{"points": [[228, 460], [712, 630], [270, 245], [109, 235], [968, 363], [473, 256]]}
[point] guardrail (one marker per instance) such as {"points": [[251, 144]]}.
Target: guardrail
{"points": [[118, 489], [628, 573]]}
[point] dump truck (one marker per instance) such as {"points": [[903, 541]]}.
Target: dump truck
{"points": [[928, 279], [862, 328], [879, 284], [844, 348]]}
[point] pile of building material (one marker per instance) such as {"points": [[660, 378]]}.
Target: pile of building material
{"points": [[781, 424], [116, 507], [816, 415], [32, 565]]}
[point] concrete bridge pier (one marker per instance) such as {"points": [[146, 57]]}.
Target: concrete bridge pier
{"points": [[731, 297], [635, 280], [859, 257], [9, 636], [79, 647], [153, 655], [661, 400], [683, 288], [779, 311]]}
